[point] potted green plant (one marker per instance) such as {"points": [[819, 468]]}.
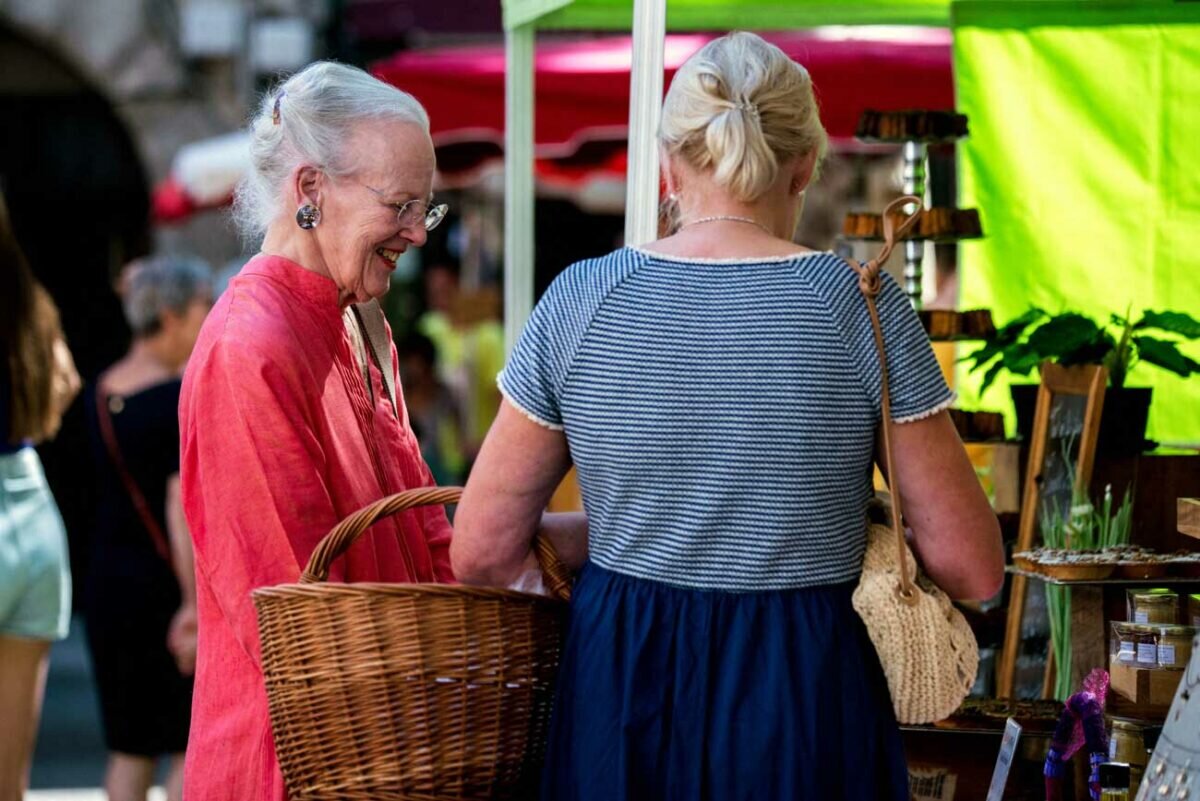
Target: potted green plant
{"points": [[1083, 527], [1071, 338]]}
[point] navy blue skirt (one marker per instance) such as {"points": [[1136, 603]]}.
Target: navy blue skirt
{"points": [[670, 693]]}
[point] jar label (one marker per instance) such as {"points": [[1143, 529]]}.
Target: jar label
{"points": [[1141, 617], [1166, 654], [1147, 654]]}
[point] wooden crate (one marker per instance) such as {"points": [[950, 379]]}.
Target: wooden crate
{"points": [[1141, 692], [1188, 516]]}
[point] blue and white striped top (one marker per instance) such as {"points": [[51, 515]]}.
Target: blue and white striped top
{"points": [[721, 413]]}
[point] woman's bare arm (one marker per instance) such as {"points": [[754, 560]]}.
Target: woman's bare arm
{"points": [[520, 465], [181, 636], [955, 532]]}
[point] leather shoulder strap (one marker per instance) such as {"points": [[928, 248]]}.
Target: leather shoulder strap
{"points": [[869, 283], [140, 504], [370, 318]]}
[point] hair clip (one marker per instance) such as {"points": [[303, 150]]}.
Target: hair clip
{"points": [[747, 107], [275, 112]]}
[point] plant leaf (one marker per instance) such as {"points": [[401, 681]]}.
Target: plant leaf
{"points": [[1011, 331], [1166, 355], [1021, 358], [982, 356], [1060, 337], [990, 375], [1094, 352], [1004, 338], [1172, 322]]}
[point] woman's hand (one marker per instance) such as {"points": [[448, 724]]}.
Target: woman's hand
{"points": [[181, 639], [568, 533], [530, 580]]}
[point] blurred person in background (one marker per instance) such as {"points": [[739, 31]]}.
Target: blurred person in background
{"points": [[432, 409], [37, 382], [291, 416], [469, 338], [140, 602]]}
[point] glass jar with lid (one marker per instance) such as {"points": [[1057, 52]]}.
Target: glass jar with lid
{"points": [[1125, 635], [1126, 743], [1175, 646], [1155, 607], [1114, 781]]}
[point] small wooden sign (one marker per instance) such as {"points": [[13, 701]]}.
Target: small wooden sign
{"points": [[1066, 425], [1188, 516]]}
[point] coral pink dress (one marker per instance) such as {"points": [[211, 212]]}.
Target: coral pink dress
{"points": [[280, 440]]}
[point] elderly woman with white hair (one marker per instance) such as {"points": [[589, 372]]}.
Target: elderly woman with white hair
{"points": [[719, 394], [139, 600], [291, 416]]}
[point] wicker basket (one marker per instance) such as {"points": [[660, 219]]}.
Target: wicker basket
{"points": [[408, 691]]}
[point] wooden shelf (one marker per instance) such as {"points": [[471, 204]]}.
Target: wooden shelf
{"points": [[1116, 582]]}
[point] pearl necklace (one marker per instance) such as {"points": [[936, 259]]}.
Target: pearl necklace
{"points": [[729, 218]]}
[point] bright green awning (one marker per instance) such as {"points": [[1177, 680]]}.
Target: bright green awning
{"points": [[1084, 161], [685, 15]]}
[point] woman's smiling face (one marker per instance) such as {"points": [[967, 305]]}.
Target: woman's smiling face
{"points": [[360, 235]]}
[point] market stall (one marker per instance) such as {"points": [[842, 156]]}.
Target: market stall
{"points": [[1080, 126]]}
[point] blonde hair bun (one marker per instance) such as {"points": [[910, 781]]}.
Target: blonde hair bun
{"points": [[738, 108]]}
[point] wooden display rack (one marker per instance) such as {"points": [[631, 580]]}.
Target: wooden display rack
{"points": [[913, 131]]}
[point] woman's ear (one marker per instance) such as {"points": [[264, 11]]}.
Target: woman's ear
{"points": [[802, 172], [168, 321], [306, 185], [670, 179]]}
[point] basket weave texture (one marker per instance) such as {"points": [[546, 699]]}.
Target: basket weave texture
{"points": [[420, 692], [927, 650]]}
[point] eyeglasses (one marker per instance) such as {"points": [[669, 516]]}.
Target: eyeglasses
{"points": [[415, 211]]}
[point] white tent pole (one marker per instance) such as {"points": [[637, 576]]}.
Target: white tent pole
{"points": [[645, 105], [518, 180]]}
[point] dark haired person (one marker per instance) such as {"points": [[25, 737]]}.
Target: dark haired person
{"points": [[37, 382]]}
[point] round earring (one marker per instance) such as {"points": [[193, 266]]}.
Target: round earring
{"points": [[308, 216]]}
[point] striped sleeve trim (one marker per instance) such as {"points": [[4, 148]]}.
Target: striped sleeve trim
{"points": [[941, 407], [533, 418]]}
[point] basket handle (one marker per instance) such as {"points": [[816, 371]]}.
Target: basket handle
{"points": [[557, 576]]}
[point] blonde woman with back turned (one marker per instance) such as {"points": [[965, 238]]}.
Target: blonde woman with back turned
{"points": [[719, 393]]}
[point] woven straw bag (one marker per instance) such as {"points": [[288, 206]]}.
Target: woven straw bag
{"points": [[928, 652], [409, 691]]}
